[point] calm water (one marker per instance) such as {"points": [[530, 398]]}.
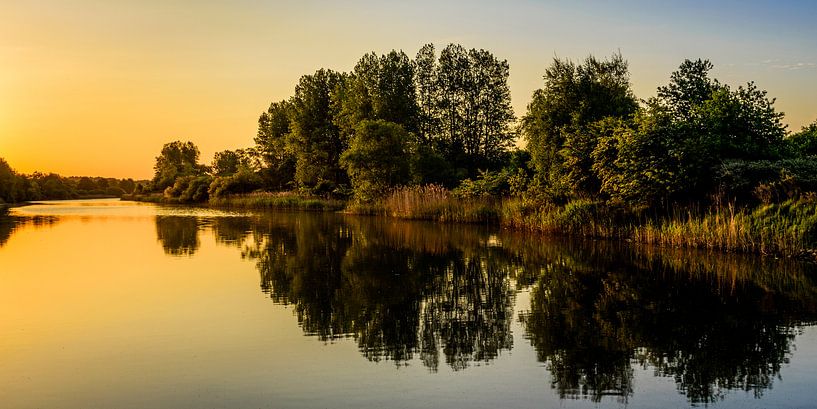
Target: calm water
{"points": [[107, 304]]}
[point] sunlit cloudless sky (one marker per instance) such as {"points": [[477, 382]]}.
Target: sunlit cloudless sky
{"points": [[96, 87]]}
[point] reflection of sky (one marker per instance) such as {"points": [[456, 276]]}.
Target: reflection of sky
{"points": [[122, 78]]}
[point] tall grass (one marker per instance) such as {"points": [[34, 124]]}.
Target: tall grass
{"points": [[432, 202], [285, 200], [787, 229]]}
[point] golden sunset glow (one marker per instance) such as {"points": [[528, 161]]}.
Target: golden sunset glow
{"points": [[95, 88]]}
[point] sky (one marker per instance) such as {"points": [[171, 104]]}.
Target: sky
{"points": [[95, 87]]}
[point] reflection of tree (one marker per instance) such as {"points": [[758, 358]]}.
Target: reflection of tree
{"points": [[468, 312], [353, 279], [445, 294], [7, 227], [179, 235], [589, 325], [10, 224]]}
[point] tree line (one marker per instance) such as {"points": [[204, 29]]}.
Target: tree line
{"points": [[446, 119], [392, 120], [16, 187]]}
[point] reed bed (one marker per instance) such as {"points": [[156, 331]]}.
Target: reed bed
{"points": [[433, 202], [786, 229], [287, 201]]}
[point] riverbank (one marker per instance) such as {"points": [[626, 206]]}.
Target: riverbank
{"points": [[260, 200], [787, 229]]}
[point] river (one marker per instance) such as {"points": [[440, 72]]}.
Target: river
{"points": [[114, 304]]}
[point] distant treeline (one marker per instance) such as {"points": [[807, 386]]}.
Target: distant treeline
{"points": [[16, 187], [447, 120]]}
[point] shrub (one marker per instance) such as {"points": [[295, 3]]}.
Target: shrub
{"points": [[244, 181]]}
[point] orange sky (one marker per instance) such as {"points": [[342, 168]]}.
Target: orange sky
{"points": [[96, 88]]}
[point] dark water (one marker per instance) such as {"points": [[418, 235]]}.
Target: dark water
{"points": [[117, 304]]}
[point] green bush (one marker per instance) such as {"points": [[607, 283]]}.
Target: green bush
{"points": [[765, 180], [244, 181]]}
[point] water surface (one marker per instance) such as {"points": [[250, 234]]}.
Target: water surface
{"points": [[119, 304]]}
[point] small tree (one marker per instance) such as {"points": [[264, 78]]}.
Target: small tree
{"points": [[377, 158]]}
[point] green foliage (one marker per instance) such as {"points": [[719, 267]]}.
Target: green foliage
{"points": [[189, 189], [316, 140], [379, 88], [244, 181], [766, 180], [430, 167], [127, 185], [176, 159], [649, 162], [470, 108], [573, 97], [689, 87], [273, 144], [10, 189], [740, 124], [487, 184], [805, 141], [377, 158]]}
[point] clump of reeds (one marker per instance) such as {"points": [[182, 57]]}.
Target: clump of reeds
{"points": [[434, 202], [786, 229], [285, 200]]}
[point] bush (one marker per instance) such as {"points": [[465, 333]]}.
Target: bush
{"points": [[244, 181], [114, 191], [487, 184], [765, 180]]}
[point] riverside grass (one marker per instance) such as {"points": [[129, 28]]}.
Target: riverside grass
{"points": [[787, 229], [258, 200]]}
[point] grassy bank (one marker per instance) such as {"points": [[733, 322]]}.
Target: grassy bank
{"points": [[786, 229], [430, 203], [261, 200]]}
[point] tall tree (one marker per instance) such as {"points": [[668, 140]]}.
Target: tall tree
{"points": [[425, 85], [473, 107], [379, 88], [273, 145], [316, 139]]}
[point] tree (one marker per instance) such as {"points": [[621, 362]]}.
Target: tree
{"points": [[425, 85], [805, 141], [176, 159], [574, 96], [379, 87], [9, 183], [689, 87], [272, 143], [316, 139], [377, 158], [127, 185], [473, 107], [86, 184], [229, 162], [650, 160]]}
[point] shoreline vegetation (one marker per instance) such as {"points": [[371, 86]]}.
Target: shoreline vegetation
{"points": [[787, 229], [701, 164]]}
